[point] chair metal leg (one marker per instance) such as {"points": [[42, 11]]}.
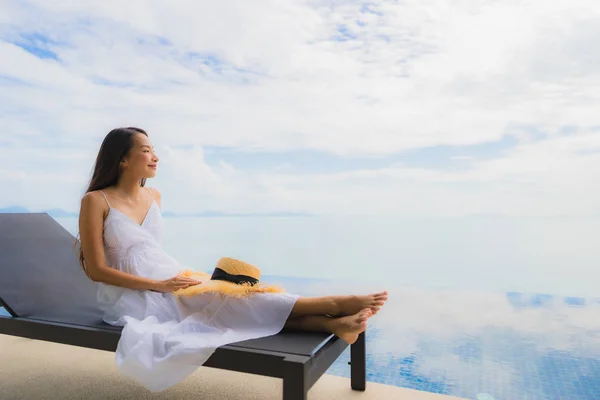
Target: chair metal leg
{"points": [[358, 363], [295, 382]]}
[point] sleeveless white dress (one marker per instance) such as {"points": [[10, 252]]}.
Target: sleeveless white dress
{"points": [[165, 338]]}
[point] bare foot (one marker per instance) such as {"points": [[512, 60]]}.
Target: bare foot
{"points": [[348, 328], [349, 305]]}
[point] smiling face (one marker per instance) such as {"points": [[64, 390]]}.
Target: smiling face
{"points": [[141, 161]]}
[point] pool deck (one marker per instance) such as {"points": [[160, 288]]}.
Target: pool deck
{"points": [[32, 369]]}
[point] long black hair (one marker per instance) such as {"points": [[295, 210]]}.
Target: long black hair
{"points": [[115, 146]]}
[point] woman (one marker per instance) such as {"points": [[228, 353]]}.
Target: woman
{"points": [[166, 337]]}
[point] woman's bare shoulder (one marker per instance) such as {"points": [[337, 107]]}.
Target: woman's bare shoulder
{"points": [[92, 197], [93, 201], [156, 194]]}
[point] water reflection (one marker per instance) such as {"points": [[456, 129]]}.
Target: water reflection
{"points": [[504, 345]]}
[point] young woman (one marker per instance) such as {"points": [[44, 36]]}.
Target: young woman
{"points": [[166, 337]]}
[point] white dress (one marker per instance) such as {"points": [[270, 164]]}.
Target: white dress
{"points": [[165, 338]]}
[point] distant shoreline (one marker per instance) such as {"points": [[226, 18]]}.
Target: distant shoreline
{"points": [[59, 213]]}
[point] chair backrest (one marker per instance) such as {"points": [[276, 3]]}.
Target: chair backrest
{"points": [[40, 276]]}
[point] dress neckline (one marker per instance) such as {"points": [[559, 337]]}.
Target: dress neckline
{"points": [[110, 208]]}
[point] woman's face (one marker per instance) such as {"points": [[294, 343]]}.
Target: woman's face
{"points": [[141, 160]]}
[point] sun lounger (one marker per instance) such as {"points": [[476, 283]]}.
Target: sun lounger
{"points": [[51, 299]]}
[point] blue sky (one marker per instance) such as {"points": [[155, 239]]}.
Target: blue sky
{"points": [[307, 161], [37, 44], [432, 108]]}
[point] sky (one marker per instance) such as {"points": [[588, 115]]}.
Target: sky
{"points": [[442, 108]]}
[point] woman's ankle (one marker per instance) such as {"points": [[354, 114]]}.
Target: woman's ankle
{"points": [[334, 306]]}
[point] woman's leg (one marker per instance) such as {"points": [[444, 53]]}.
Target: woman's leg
{"points": [[346, 328], [338, 305]]}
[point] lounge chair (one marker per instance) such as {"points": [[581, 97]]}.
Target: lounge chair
{"points": [[49, 298]]}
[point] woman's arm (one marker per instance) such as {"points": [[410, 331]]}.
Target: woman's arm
{"points": [[91, 226]]}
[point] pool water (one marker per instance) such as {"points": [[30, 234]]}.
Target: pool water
{"points": [[481, 345]]}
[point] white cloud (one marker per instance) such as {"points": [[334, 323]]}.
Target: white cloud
{"points": [[411, 75]]}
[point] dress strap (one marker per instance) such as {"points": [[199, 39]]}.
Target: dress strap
{"points": [[105, 197]]}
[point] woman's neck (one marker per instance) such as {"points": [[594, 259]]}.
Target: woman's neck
{"points": [[129, 188]]}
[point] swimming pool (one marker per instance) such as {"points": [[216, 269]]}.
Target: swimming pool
{"points": [[484, 346]]}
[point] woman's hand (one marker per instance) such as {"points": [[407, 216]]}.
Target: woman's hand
{"points": [[175, 283]]}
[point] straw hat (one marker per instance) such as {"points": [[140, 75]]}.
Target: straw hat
{"points": [[230, 277]]}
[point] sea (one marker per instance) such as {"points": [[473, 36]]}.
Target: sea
{"points": [[480, 307]]}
